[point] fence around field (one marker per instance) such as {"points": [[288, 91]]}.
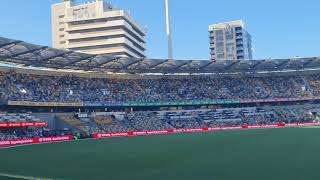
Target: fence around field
{"points": [[186, 130], [22, 124], [34, 140], [15, 142]]}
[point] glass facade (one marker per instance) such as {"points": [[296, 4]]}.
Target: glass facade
{"points": [[230, 43]]}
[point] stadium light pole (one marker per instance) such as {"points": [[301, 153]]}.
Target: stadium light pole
{"points": [[169, 36]]}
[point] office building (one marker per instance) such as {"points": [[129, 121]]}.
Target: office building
{"points": [[96, 28], [230, 41]]}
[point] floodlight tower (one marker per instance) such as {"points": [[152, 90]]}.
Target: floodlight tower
{"points": [[169, 36]]}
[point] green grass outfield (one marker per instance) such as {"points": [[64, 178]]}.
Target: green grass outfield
{"points": [[258, 154]]}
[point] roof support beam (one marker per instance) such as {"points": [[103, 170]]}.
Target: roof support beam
{"points": [[78, 60], [232, 64], [11, 45], [206, 65], [257, 64], [308, 62], [132, 63], [55, 56], [6, 44], [158, 64], [27, 52], [185, 63]]}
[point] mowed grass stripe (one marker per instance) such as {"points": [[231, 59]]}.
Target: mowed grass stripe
{"points": [[15, 176]]}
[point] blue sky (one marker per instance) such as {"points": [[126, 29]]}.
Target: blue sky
{"points": [[280, 29]]}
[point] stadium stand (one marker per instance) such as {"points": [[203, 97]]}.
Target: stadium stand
{"points": [[30, 132], [57, 78], [200, 118], [42, 88], [9, 117]]}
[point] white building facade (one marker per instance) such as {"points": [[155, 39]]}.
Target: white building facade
{"points": [[96, 28], [230, 41]]}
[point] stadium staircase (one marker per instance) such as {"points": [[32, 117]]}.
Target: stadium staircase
{"points": [[137, 85], [307, 85], [127, 123]]}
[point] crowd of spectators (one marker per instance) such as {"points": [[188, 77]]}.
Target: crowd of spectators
{"points": [[177, 119], [173, 119], [73, 89], [30, 132], [147, 121], [44, 88]]}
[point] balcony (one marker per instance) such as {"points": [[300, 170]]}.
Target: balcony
{"points": [[239, 42], [240, 48], [238, 29], [240, 54]]}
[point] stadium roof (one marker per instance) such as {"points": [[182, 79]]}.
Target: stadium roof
{"points": [[30, 55]]}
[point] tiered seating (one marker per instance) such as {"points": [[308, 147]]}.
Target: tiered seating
{"points": [[90, 129], [103, 120], [147, 121], [8, 117], [72, 120], [293, 114], [108, 123], [74, 89], [185, 119]]}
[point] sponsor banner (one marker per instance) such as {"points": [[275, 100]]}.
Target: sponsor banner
{"points": [[192, 130], [104, 135], [246, 101], [120, 134], [4, 125], [35, 140], [279, 100], [23, 124], [170, 130], [141, 133], [255, 126], [133, 104], [272, 125], [43, 104], [158, 132], [177, 130], [93, 104], [231, 127], [309, 124], [214, 128], [292, 124]]}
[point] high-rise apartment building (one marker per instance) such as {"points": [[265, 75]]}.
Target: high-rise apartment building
{"points": [[96, 28], [230, 41]]}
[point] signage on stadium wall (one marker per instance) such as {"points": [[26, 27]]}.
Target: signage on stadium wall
{"points": [[113, 104], [90, 104], [35, 140], [22, 124], [280, 100], [43, 104], [190, 130]]}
